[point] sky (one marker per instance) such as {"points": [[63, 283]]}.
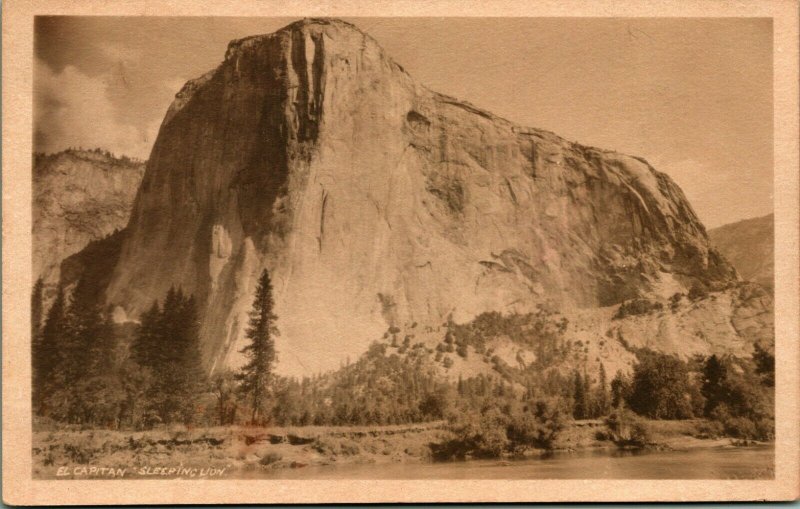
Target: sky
{"points": [[692, 96]]}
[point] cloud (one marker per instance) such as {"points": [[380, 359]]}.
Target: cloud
{"points": [[120, 53], [73, 109]]}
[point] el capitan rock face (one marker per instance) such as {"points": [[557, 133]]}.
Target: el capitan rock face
{"points": [[374, 201], [79, 196]]}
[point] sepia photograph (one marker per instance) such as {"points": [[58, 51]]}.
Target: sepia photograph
{"points": [[403, 248]]}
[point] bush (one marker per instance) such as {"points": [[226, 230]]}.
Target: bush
{"points": [[436, 404], [764, 360], [744, 426], [502, 426], [626, 429], [478, 436], [336, 446], [637, 307], [538, 424], [675, 301], [698, 292], [270, 458]]}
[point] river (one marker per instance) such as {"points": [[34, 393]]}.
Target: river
{"points": [[755, 462]]}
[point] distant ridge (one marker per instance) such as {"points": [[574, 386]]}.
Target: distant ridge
{"points": [[750, 246], [79, 196]]}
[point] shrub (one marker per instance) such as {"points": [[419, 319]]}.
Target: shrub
{"points": [[698, 292], [675, 301], [502, 426], [436, 404], [538, 424], [637, 307], [336, 446], [270, 458], [756, 427], [626, 429], [448, 337], [479, 436], [81, 453], [765, 364]]}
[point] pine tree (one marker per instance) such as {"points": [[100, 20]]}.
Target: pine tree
{"points": [[588, 395], [167, 347], [90, 384], [167, 397], [36, 309], [579, 396], [146, 348], [91, 344], [255, 375], [36, 340], [190, 374], [601, 399], [620, 390], [715, 371], [47, 353]]}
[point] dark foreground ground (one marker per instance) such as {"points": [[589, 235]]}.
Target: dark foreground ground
{"points": [[236, 451]]}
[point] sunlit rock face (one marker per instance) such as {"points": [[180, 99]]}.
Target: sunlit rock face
{"points": [[374, 201]]}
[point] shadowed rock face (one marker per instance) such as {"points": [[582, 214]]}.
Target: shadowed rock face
{"points": [[749, 245], [79, 196], [374, 201]]}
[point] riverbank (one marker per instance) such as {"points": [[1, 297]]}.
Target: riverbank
{"points": [[234, 451], [231, 449]]}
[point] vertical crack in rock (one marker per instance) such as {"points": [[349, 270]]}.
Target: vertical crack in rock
{"points": [[308, 63], [321, 236]]}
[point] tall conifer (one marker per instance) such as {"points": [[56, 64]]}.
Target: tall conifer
{"points": [[255, 375], [36, 309], [47, 352]]}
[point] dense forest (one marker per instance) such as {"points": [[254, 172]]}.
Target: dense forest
{"points": [[90, 372]]}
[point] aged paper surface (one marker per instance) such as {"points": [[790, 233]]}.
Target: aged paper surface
{"points": [[465, 306]]}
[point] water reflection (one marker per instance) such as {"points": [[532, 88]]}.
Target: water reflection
{"points": [[717, 463]]}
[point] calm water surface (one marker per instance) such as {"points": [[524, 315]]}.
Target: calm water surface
{"points": [[718, 463]]}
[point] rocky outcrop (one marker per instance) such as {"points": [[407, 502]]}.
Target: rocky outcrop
{"points": [[750, 246], [375, 201], [79, 196]]}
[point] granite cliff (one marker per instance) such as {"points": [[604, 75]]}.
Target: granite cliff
{"points": [[79, 196], [376, 202]]}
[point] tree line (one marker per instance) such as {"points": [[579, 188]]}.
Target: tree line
{"points": [[736, 395], [87, 372], [91, 372]]}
